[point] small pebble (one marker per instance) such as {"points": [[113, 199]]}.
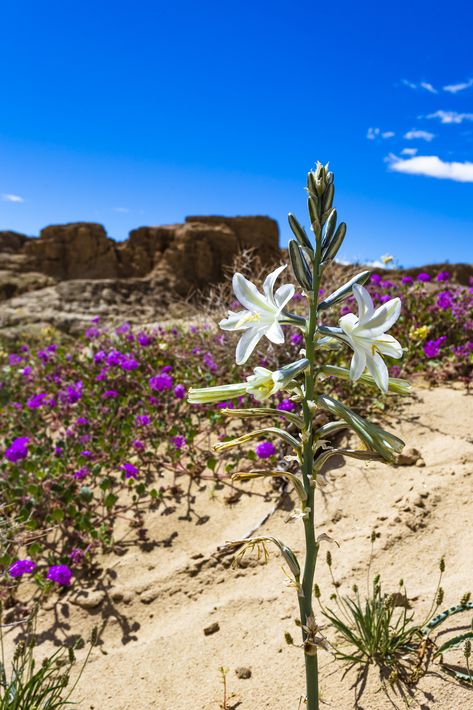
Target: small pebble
{"points": [[243, 673], [212, 629]]}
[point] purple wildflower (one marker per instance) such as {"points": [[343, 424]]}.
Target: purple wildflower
{"points": [[406, 280], [92, 333], [424, 277], [444, 300], [443, 276], [61, 574], [129, 363], [15, 359], [265, 449], [142, 420], [123, 329], [144, 339], [138, 445], [37, 400], [18, 449], [179, 441], [77, 555], [286, 405], [166, 368], [296, 338], [129, 470], [179, 391], [432, 347], [375, 278], [21, 567], [110, 394], [160, 382], [82, 472]]}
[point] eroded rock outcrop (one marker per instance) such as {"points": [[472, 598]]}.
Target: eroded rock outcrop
{"points": [[74, 270]]}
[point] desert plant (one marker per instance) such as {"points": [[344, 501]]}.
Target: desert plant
{"points": [[26, 684], [305, 379]]}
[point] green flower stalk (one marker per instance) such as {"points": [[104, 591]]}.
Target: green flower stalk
{"points": [[265, 314]]}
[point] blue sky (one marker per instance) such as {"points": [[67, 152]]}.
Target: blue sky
{"points": [[132, 113]]}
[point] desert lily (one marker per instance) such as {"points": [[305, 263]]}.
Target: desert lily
{"points": [[309, 444], [263, 313], [261, 384], [366, 335]]}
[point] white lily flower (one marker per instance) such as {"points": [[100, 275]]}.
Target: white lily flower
{"points": [[366, 334], [262, 384], [262, 314]]}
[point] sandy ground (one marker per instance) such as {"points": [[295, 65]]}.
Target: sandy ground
{"points": [[153, 602]]}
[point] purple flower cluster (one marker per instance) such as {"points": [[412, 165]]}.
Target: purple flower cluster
{"points": [[432, 347], [18, 449], [265, 450]]}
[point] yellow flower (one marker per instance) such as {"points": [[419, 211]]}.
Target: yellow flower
{"points": [[420, 333]]}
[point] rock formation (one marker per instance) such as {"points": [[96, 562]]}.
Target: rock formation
{"points": [[74, 270]]}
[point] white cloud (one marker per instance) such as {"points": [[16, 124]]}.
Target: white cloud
{"points": [[432, 166], [428, 87], [421, 135], [408, 151], [421, 85], [12, 198], [451, 116], [121, 209], [374, 133], [454, 88]]}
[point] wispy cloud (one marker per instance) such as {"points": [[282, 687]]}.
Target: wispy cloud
{"points": [[419, 135], [374, 133], [12, 198], [425, 85], [121, 209], [432, 166], [408, 151], [455, 88], [451, 116]]}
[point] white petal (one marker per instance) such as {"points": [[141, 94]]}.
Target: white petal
{"points": [[383, 318], [358, 364], [247, 343], [270, 280], [378, 370], [249, 296], [365, 304], [348, 322], [275, 333], [234, 321], [388, 345], [283, 295]]}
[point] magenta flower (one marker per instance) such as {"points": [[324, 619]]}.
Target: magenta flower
{"points": [[77, 555], [443, 276], [138, 445], [406, 280], [432, 347], [129, 363], [444, 300], [375, 278], [179, 391], [110, 394], [15, 359], [144, 340], [18, 449], [287, 406], [265, 449], [82, 421], [166, 368], [297, 338], [179, 441], [37, 400], [424, 277], [21, 567], [160, 382], [142, 420], [81, 473], [60, 574], [92, 333], [129, 470]]}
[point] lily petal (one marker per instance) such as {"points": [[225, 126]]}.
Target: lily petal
{"points": [[283, 295], [270, 280], [388, 345], [378, 370], [365, 304], [249, 296], [358, 364], [275, 333], [247, 343]]}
